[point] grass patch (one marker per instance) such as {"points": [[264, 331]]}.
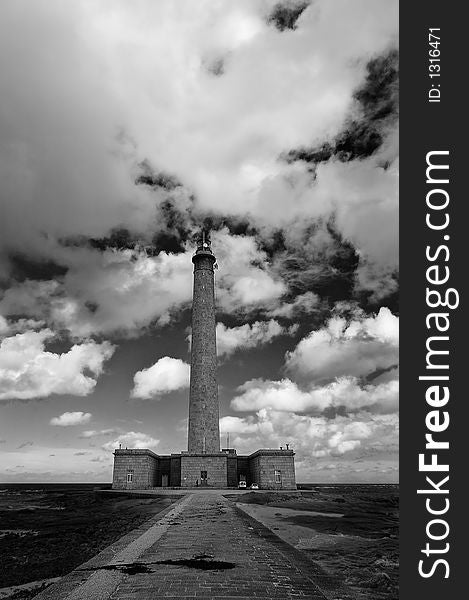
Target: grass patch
{"points": [[70, 527]]}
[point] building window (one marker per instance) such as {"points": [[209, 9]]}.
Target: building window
{"points": [[278, 476], [130, 476]]}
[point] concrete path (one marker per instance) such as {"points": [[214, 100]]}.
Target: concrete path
{"points": [[204, 547]]}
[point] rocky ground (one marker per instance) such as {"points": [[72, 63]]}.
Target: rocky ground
{"points": [[47, 533], [351, 532]]}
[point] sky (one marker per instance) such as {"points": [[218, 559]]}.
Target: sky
{"points": [[126, 127]]}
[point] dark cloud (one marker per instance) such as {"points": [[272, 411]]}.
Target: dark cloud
{"points": [[359, 140], [155, 179], [371, 376], [378, 102], [379, 95], [167, 242], [284, 15], [91, 306], [120, 239], [236, 225], [170, 230], [174, 228], [321, 261], [24, 267], [216, 67], [275, 244]]}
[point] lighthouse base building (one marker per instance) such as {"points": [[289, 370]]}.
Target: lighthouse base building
{"points": [[143, 469], [204, 464]]}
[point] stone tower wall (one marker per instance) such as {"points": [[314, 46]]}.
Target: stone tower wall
{"points": [[204, 432]]}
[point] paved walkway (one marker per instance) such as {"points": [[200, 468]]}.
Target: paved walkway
{"points": [[204, 547]]}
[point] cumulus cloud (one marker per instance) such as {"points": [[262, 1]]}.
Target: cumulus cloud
{"points": [[246, 278], [28, 370], [131, 440], [166, 375], [106, 292], [286, 395], [232, 424], [246, 336], [11, 327], [340, 410], [355, 348], [91, 433], [318, 437], [68, 419]]}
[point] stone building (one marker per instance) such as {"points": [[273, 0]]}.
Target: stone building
{"points": [[204, 463]]}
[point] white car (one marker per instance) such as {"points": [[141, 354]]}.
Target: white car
{"points": [[242, 485], [254, 486]]}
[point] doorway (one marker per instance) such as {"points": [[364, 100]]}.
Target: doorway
{"points": [[164, 480], [203, 478]]}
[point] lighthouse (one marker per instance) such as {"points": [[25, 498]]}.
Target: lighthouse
{"points": [[204, 430], [203, 464]]}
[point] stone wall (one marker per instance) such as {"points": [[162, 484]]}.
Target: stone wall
{"points": [[142, 464], [214, 464], [265, 463]]}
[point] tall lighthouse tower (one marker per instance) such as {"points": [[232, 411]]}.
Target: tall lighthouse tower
{"points": [[204, 430], [204, 464]]}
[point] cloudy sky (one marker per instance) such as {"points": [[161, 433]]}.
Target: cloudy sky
{"points": [[124, 128]]}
